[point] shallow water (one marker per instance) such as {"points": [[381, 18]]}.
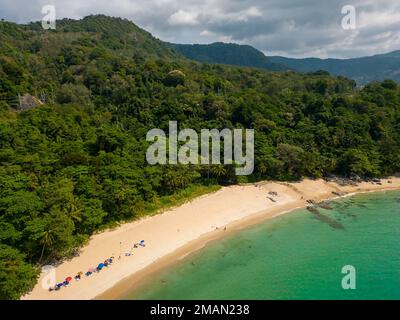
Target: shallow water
{"points": [[299, 255]]}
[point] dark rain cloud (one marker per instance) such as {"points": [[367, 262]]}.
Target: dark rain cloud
{"points": [[288, 27]]}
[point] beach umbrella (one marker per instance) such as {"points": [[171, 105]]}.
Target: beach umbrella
{"points": [[69, 279], [92, 270], [100, 266], [60, 285], [80, 273]]}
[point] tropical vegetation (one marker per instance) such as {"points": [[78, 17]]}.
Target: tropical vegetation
{"points": [[76, 163]]}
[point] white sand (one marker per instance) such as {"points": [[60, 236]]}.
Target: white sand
{"points": [[182, 230]]}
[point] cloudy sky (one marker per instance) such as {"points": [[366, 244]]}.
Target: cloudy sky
{"points": [[295, 28]]}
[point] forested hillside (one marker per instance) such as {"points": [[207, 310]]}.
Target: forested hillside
{"points": [[77, 163], [363, 70], [228, 53]]}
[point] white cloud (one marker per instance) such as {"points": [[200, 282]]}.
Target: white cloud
{"points": [[183, 18], [254, 12], [218, 14], [376, 18], [206, 33], [227, 39]]}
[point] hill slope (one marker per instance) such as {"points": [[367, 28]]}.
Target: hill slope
{"points": [[233, 54], [119, 35], [363, 70]]}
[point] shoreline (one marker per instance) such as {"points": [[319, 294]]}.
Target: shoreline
{"points": [[181, 231], [127, 284]]}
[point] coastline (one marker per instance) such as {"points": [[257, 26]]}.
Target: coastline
{"points": [[178, 232]]}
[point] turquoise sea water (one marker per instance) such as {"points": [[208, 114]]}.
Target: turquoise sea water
{"points": [[296, 256]]}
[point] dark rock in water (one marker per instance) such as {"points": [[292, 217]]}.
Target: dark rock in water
{"points": [[312, 209], [325, 219], [331, 222], [324, 205]]}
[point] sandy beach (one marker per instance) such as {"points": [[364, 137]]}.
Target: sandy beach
{"points": [[180, 231]]}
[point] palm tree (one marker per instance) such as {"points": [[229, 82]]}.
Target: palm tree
{"points": [[218, 170], [74, 209], [47, 239]]}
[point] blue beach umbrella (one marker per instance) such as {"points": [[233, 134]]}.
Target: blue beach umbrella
{"points": [[100, 266]]}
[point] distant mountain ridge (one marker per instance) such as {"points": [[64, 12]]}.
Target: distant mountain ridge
{"points": [[233, 54], [363, 70]]}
